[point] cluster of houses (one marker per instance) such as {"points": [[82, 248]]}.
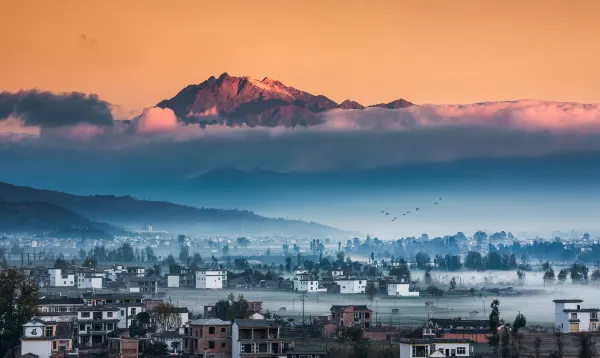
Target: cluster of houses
{"points": [[133, 278], [335, 281], [103, 322], [100, 324]]}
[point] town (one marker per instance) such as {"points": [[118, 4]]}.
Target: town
{"points": [[120, 301]]}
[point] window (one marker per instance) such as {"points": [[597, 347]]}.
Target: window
{"points": [[461, 350], [85, 314], [211, 344], [223, 345], [593, 315], [109, 314], [594, 326], [133, 311], [222, 329], [54, 345], [48, 332], [122, 312], [573, 315], [211, 330]]}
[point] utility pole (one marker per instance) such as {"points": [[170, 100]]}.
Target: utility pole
{"points": [[303, 298]]}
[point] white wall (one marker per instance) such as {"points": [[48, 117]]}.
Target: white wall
{"points": [[91, 282], [235, 344], [400, 289], [172, 280], [40, 348], [305, 285], [210, 279], [56, 279], [352, 286]]}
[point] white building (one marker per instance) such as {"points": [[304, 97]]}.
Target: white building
{"points": [[400, 289], [58, 278], [337, 273], [94, 323], [570, 317], [43, 338], [172, 280], [59, 309], [352, 286], [211, 279], [429, 346], [306, 283], [90, 281]]}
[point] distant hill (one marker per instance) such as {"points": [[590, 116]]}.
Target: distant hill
{"points": [[245, 100], [131, 213], [42, 217]]}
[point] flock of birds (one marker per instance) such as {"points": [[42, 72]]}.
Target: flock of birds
{"points": [[408, 212]]}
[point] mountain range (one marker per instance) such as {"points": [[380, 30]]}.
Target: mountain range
{"points": [[28, 209], [245, 100]]}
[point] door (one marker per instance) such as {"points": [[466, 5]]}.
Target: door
{"points": [[574, 327]]}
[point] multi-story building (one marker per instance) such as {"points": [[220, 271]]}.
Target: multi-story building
{"points": [[60, 309], [144, 284], [256, 338], [350, 316], [570, 317], [210, 338], [352, 286], [94, 323], [45, 338], [400, 289], [430, 347], [90, 281], [137, 271], [306, 283], [61, 278], [93, 299], [211, 279]]}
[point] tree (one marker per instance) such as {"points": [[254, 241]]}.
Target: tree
{"points": [[537, 345], [586, 346], [288, 264], [181, 240], [150, 256], [184, 254], [82, 254], [521, 275], [158, 349], [229, 309], [401, 271], [520, 322], [371, 291], [61, 264], [268, 252], [563, 275], [422, 260], [549, 275], [90, 262], [196, 262], [170, 260], [427, 276], [596, 275], [166, 316], [546, 266], [453, 283], [18, 304], [286, 248], [243, 242], [579, 272], [226, 250], [494, 319]]}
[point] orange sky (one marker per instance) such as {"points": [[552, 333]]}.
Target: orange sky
{"points": [[137, 52]]}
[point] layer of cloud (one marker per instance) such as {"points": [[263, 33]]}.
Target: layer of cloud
{"points": [[346, 139], [46, 109]]}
